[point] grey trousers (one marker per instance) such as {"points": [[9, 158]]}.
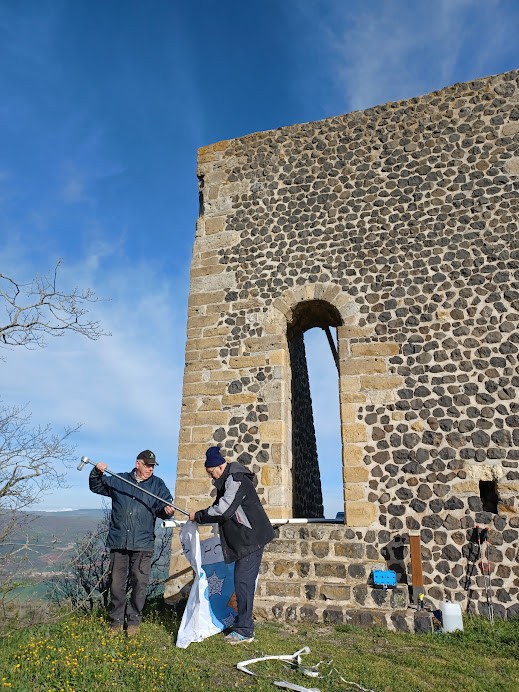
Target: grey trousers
{"points": [[131, 567]]}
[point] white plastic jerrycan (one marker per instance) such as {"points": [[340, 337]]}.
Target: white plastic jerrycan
{"points": [[451, 616]]}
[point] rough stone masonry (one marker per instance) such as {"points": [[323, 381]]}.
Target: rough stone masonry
{"points": [[398, 227]]}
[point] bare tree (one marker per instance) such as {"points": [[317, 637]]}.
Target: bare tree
{"points": [[29, 312], [32, 459], [84, 583]]}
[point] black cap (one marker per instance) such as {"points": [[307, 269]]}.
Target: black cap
{"points": [[148, 457]]}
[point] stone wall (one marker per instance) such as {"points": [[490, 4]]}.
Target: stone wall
{"points": [[320, 573], [398, 226]]}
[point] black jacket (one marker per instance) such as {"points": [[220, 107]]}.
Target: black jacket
{"points": [[242, 521], [132, 524]]}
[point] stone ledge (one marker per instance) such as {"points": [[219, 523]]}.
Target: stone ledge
{"points": [[344, 594], [407, 620]]}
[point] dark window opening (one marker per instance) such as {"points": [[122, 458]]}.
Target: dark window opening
{"points": [[309, 483], [324, 388], [489, 496], [201, 209]]}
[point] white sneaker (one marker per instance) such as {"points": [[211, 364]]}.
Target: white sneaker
{"points": [[236, 638]]}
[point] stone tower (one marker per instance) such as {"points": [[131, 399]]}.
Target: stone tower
{"points": [[397, 227]]}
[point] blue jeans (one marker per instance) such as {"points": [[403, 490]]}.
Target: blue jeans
{"points": [[246, 571], [133, 566]]}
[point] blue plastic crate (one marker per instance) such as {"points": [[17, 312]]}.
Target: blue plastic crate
{"points": [[383, 578]]}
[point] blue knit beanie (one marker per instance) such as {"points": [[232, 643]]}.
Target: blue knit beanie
{"points": [[213, 457]]}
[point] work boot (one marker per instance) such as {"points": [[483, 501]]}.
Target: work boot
{"points": [[115, 630], [132, 630]]}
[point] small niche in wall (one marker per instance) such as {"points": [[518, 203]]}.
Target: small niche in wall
{"points": [[489, 496]]}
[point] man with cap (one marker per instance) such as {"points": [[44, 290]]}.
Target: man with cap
{"points": [[131, 535], [244, 529]]}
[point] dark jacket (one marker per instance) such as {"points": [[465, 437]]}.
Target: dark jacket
{"points": [[132, 524], [242, 521]]}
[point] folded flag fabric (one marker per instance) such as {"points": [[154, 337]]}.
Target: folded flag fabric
{"points": [[211, 605]]}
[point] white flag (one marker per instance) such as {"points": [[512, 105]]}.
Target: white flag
{"points": [[211, 606]]}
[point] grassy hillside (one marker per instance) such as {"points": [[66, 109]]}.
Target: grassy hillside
{"points": [[77, 655]]}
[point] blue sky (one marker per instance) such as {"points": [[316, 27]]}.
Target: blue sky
{"points": [[102, 108]]}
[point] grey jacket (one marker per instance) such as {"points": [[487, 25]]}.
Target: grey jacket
{"points": [[242, 521]]}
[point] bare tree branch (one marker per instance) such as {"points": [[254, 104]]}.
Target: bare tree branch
{"points": [[31, 312], [31, 459]]}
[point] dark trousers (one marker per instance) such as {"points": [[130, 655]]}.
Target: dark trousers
{"points": [[133, 566], [246, 571]]}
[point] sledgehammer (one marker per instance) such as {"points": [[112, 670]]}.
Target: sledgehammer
{"points": [[86, 460]]}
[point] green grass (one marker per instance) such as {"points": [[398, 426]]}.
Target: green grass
{"points": [[75, 654]]}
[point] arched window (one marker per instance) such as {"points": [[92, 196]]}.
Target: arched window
{"points": [[307, 474]]}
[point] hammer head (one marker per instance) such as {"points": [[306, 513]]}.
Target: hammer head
{"points": [[84, 460]]}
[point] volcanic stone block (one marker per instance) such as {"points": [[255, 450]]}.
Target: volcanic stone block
{"points": [[423, 623], [357, 570], [330, 569], [349, 550], [365, 619], [333, 616], [399, 622], [308, 614], [320, 549]]}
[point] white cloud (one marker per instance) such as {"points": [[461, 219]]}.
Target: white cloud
{"points": [[86, 163], [380, 51]]}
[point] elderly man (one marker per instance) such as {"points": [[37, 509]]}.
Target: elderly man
{"points": [[131, 535], [244, 529]]}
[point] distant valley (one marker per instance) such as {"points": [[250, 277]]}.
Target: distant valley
{"points": [[43, 542], [43, 546]]}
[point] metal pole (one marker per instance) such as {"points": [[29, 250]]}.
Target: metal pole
{"points": [[86, 460]]}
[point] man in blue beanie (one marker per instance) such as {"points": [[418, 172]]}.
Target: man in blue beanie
{"points": [[244, 529]]}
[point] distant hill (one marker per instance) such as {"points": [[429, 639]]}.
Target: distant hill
{"points": [[43, 541], [61, 527], [68, 523]]}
